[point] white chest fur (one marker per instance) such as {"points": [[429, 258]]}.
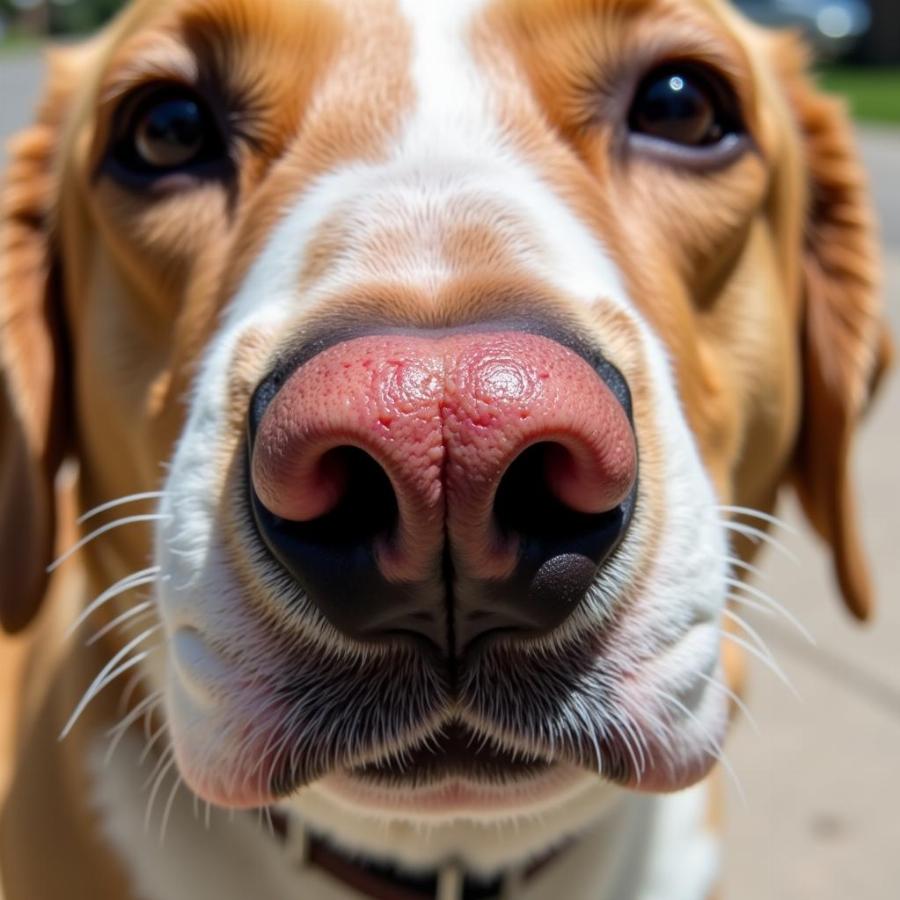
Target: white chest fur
{"points": [[645, 847]]}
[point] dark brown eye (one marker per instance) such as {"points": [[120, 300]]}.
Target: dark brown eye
{"points": [[685, 105], [171, 133], [168, 130]]}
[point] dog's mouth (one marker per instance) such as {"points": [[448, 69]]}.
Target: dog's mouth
{"points": [[511, 727], [457, 773], [457, 752]]}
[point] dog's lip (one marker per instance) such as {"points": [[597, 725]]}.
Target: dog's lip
{"points": [[456, 794], [456, 752]]}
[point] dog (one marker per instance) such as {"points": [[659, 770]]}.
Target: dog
{"points": [[431, 371]]}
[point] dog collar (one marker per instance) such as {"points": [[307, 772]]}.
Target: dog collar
{"points": [[381, 881]]}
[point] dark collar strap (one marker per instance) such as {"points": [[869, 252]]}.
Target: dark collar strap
{"points": [[383, 882], [380, 881]]}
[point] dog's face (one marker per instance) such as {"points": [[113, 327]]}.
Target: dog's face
{"points": [[450, 333]]}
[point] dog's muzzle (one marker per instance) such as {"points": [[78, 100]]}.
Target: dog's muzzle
{"points": [[447, 485]]}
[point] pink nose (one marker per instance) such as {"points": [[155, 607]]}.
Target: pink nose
{"points": [[423, 435]]}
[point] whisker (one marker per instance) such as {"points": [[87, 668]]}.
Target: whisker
{"points": [[765, 660], [128, 691], [267, 812], [164, 757], [157, 784], [716, 750], [758, 514], [133, 715], [137, 610], [751, 632], [757, 535], [639, 737], [629, 749], [99, 532], [109, 679], [747, 567], [593, 738], [109, 673], [167, 809], [151, 742], [136, 579], [714, 682], [121, 501], [755, 605], [623, 725], [117, 732], [774, 605]]}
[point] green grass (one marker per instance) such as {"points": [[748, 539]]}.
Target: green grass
{"points": [[874, 94], [16, 42]]}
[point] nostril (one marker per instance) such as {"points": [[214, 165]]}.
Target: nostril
{"points": [[361, 505], [568, 475], [530, 506], [333, 557], [559, 548], [529, 500], [368, 505]]}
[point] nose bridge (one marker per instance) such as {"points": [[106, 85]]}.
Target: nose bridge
{"points": [[424, 223], [428, 223]]}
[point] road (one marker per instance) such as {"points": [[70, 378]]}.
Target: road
{"points": [[822, 779]]}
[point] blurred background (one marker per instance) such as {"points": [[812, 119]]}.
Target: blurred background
{"points": [[821, 777]]}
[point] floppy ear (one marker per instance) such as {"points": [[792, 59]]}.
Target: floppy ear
{"points": [[846, 346], [32, 374]]}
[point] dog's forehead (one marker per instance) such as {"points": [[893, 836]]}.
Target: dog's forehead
{"points": [[395, 29]]}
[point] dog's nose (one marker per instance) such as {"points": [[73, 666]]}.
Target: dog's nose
{"points": [[446, 485]]}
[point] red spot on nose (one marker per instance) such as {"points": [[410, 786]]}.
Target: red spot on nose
{"points": [[444, 418]]}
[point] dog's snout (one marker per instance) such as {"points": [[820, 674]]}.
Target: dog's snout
{"points": [[446, 485]]}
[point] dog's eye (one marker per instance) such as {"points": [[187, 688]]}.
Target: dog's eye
{"points": [[686, 106], [165, 131]]}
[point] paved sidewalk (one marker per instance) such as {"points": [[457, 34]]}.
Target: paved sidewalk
{"points": [[822, 779]]}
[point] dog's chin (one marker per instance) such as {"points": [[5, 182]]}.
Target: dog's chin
{"points": [[455, 796], [454, 775], [458, 777]]}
